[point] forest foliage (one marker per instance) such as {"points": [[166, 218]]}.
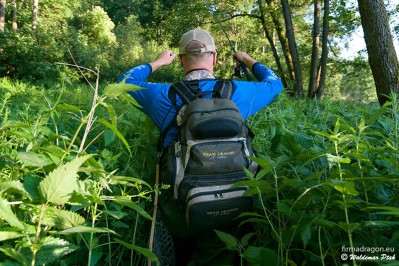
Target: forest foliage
{"points": [[112, 36], [77, 160]]}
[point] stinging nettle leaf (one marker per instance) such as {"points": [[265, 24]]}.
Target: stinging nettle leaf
{"points": [[58, 186], [229, 240], [7, 214], [52, 249], [31, 186], [13, 187], [61, 218], [6, 235], [32, 159]]}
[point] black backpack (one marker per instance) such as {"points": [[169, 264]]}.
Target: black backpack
{"points": [[209, 156]]}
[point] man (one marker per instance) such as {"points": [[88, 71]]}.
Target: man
{"points": [[197, 56]]}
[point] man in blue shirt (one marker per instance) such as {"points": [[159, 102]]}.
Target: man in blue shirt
{"points": [[197, 56]]}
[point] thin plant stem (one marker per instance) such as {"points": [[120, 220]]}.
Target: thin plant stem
{"points": [[93, 221], [348, 230]]}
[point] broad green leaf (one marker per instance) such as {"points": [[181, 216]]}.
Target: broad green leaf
{"points": [[290, 143], [260, 256], [127, 202], [67, 107], [7, 214], [351, 226], [377, 114], [109, 137], [333, 159], [144, 251], [58, 186], [303, 140], [53, 249], [31, 185], [84, 229], [128, 181], [388, 210], [116, 214], [111, 112], [306, 233], [261, 162], [326, 223], [119, 224], [229, 240], [6, 235], [14, 254], [32, 159], [115, 90], [245, 239], [61, 218], [345, 187], [13, 187], [381, 224], [14, 124], [324, 134], [116, 132]]}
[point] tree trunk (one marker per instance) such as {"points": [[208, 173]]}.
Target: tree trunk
{"points": [[35, 12], [298, 86], [270, 38], [315, 50], [324, 51], [282, 38], [3, 4], [382, 56], [14, 15]]}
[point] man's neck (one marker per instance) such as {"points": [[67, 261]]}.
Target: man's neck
{"points": [[195, 74]]}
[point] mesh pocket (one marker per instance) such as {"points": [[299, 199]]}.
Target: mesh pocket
{"points": [[216, 158]]}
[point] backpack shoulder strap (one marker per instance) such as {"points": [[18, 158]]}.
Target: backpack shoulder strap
{"points": [[183, 90], [224, 88]]}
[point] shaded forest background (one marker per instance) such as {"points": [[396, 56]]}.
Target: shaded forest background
{"points": [[77, 161], [37, 39]]}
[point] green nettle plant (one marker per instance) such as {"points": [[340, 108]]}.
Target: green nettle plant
{"points": [[326, 187], [57, 200], [76, 180]]}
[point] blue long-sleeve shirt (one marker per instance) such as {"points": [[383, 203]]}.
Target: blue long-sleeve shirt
{"points": [[249, 96]]}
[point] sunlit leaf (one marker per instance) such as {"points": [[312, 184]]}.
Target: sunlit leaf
{"points": [[116, 132], [85, 229], [67, 107], [52, 249], [7, 214], [345, 187], [61, 218], [6, 235], [58, 186], [13, 187], [32, 159]]}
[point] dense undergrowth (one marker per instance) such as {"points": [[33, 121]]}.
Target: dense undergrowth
{"points": [[77, 179]]}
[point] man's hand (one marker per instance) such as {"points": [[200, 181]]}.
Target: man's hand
{"points": [[164, 59], [245, 58]]}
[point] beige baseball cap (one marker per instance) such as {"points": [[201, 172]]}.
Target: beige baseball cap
{"points": [[196, 41]]}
